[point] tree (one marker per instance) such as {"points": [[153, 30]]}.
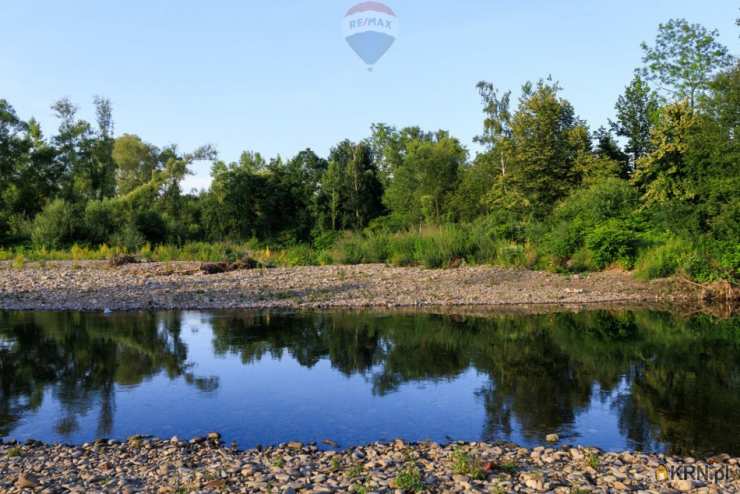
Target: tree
{"points": [[546, 139], [714, 154], [608, 148], [684, 59], [351, 189], [135, 160], [423, 183], [636, 110], [496, 135], [664, 174]]}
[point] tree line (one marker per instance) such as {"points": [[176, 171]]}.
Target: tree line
{"points": [[663, 174]]}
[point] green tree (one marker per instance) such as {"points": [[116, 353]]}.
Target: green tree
{"points": [[636, 110], [351, 190], [497, 131], [664, 174], [684, 59], [424, 182], [84, 153], [136, 162], [546, 139]]}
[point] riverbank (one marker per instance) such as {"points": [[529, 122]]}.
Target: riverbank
{"points": [[94, 285], [206, 465]]}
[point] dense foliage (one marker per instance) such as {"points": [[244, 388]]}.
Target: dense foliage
{"points": [[657, 188]]}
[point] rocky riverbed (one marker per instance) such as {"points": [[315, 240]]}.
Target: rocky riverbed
{"points": [[98, 286], [206, 465]]}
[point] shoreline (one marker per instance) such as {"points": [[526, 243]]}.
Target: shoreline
{"points": [[143, 464], [95, 286]]}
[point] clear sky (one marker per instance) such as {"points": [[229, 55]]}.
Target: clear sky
{"points": [[277, 76]]}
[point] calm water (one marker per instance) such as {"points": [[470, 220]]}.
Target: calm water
{"points": [[617, 380]]}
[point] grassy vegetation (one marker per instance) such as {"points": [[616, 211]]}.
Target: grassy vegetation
{"points": [[409, 479], [14, 452], [553, 247], [463, 463]]}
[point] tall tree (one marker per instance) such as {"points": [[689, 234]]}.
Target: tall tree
{"points": [[684, 59], [636, 110], [135, 160], [664, 174], [496, 135], [546, 139], [426, 179], [351, 189]]}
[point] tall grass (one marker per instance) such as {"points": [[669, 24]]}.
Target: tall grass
{"points": [[654, 255], [434, 247]]}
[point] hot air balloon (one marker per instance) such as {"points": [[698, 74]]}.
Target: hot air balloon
{"points": [[370, 29]]}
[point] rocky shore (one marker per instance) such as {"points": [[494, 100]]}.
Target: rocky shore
{"points": [[206, 465], [92, 286]]}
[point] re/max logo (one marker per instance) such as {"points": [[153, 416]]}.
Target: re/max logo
{"points": [[371, 22], [705, 473]]}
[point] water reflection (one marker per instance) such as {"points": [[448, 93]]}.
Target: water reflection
{"points": [[642, 379]]}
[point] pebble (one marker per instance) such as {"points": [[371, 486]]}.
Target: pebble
{"points": [[95, 286], [166, 466]]}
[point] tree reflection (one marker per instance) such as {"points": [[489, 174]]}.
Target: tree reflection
{"points": [[79, 358], [671, 381]]}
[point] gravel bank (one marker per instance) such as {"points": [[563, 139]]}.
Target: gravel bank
{"points": [[96, 286], [205, 465]]}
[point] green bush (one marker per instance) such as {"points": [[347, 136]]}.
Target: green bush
{"points": [[713, 261], [582, 260], [299, 255], [129, 238], [56, 226], [402, 250], [611, 242], [100, 221], [564, 239], [662, 260], [152, 226], [607, 199]]}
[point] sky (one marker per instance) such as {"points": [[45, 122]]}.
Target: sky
{"points": [[277, 76]]}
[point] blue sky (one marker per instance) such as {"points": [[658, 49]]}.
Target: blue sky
{"points": [[277, 76]]}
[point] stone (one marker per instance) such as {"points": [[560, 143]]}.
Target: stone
{"points": [[27, 481], [552, 438]]}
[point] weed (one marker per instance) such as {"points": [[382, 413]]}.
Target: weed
{"points": [[14, 452], [465, 464], [358, 489], [409, 479], [355, 471], [508, 467], [19, 261]]}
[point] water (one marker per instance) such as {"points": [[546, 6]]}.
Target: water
{"points": [[617, 380]]}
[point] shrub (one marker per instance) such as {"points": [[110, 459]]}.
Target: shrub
{"points": [[607, 199], [582, 260], [610, 242], [348, 249], [99, 221], [713, 261], [55, 226], [511, 254], [662, 260], [151, 226], [401, 248], [299, 255], [129, 238], [564, 239]]}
